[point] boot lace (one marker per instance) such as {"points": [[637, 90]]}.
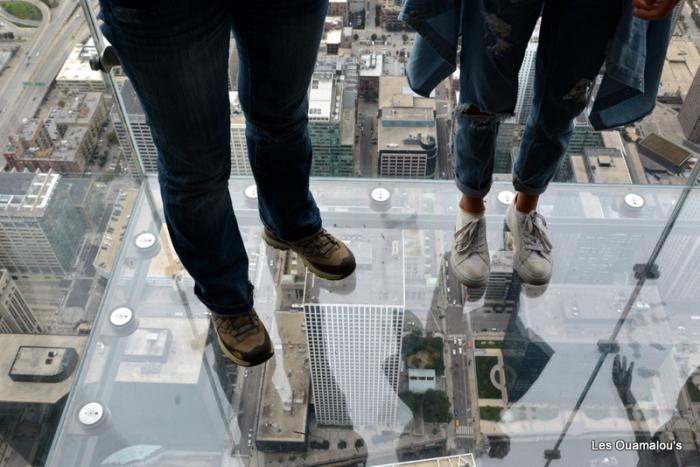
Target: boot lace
{"points": [[321, 244], [239, 327]]}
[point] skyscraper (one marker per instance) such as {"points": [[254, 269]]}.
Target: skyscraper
{"points": [[503, 163], [41, 231], [354, 334], [239, 146], [144, 140], [331, 124], [15, 315], [526, 81], [689, 115], [407, 133], [140, 130]]}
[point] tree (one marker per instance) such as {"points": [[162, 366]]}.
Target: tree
{"points": [[404, 37], [325, 444], [342, 444], [112, 137], [383, 37], [355, 37], [436, 407], [359, 442], [61, 103], [373, 37]]}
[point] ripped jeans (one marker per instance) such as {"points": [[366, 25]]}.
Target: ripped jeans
{"points": [[573, 41]]}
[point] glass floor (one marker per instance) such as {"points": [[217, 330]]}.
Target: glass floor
{"points": [[399, 363]]}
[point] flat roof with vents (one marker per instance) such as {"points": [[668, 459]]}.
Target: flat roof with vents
{"points": [[664, 152]]}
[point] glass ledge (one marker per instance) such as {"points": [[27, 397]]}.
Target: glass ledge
{"points": [[527, 373]]}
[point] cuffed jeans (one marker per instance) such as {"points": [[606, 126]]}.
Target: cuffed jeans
{"points": [[572, 47], [175, 52]]}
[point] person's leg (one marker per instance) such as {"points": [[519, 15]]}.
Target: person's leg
{"points": [[498, 38], [572, 48], [497, 41], [175, 53], [278, 43]]}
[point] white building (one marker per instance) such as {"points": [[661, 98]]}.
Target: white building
{"points": [[421, 380], [526, 82], [354, 334], [76, 74]]}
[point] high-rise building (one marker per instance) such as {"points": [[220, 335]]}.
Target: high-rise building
{"points": [[139, 128], [41, 231], [76, 74], [331, 123], [240, 165], [354, 329], [339, 8], [389, 17], [407, 131], [36, 374], [144, 140], [584, 136], [689, 115], [16, 316], [526, 81], [503, 163]]}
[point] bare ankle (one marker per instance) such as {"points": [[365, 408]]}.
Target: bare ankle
{"points": [[526, 203], [472, 205]]}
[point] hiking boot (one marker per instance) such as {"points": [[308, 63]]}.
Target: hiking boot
{"points": [[469, 259], [243, 338], [532, 250], [322, 253]]}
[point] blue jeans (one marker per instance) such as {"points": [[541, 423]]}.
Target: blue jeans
{"points": [[175, 52], [573, 42]]}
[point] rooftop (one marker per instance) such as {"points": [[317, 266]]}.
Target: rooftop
{"points": [[26, 193], [40, 356], [76, 66], [285, 396]]}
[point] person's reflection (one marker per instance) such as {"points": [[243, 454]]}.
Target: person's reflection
{"points": [[651, 457]]}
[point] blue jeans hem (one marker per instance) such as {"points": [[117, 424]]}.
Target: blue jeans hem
{"points": [[527, 189], [228, 310], [471, 192]]}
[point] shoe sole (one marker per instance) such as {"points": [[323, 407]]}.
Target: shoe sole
{"points": [[238, 361], [284, 246], [517, 265], [464, 280]]}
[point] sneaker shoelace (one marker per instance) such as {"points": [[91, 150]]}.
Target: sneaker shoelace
{"points": [[534, 233], [468, 239], [240, 326], [320, 244]]}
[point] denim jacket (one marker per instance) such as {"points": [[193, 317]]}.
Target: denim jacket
{"points": [[632, 68]]}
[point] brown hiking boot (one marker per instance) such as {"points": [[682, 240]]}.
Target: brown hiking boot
{"points": [[322, 253], [243, 338]]}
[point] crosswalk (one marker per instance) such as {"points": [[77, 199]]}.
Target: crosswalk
{"points": [[464, 430]]}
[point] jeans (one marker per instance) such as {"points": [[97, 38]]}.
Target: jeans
{"points": [[175, 52], [573, 42]]}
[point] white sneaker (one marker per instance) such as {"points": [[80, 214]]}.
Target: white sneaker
{"points": [[532, 250], [469, 259]]}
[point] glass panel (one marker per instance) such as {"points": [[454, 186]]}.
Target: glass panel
{"points": [[511, 362]]}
